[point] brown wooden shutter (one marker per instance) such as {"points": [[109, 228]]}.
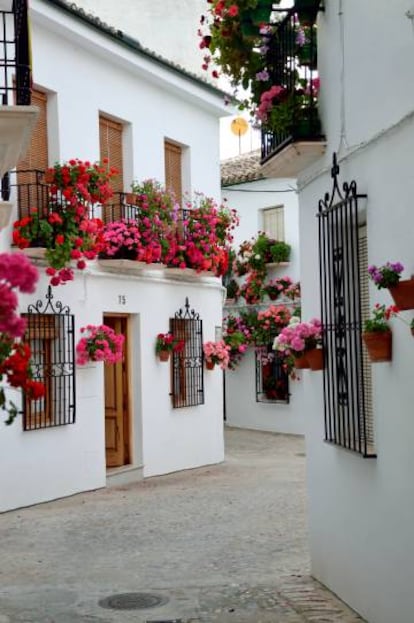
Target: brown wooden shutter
{"points": [[173, 167], [36, 156], [110, 140]]}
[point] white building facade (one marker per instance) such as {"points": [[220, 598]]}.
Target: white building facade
{"points": [[89, 76], [361, 510], [270, 206]]}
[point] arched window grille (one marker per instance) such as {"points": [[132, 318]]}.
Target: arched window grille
{"points": [[50, 335], [187, 366]]}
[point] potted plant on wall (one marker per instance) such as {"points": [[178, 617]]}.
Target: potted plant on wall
{"points": [[165, 344], [99, 343], [389, 276], [216, 353], [377, 334], [299, 339]]}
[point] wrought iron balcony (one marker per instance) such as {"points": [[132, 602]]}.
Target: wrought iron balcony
{"points": [[291, 131], [29, 189]]}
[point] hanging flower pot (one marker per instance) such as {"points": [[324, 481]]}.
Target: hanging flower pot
{"points": [[301, 363], [164, 355], [379, 345], [210, 365], [403, 294], [315, 359]]}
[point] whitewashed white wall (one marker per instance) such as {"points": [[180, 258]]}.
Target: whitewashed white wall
{"points": [[45, 464], [361, 511], [250, 199], [86, 73], [90, 73], [243, 411]]}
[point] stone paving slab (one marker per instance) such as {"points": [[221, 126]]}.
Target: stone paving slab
{"points": [[224, 544]]}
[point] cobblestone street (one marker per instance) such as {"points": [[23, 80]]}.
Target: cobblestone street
{"points": [[221, 544]]}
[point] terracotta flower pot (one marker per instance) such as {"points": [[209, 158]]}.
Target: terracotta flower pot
{"points": [[315, 359], [403, 294], [130, 198], [164, 355], [301, 363], [379, 345], [49, 176], [210, 365]]}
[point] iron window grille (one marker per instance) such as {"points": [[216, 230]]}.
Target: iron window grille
{"points": [[272, 381], [50, 335], [187, 372], [344, 386], [15, 72]]}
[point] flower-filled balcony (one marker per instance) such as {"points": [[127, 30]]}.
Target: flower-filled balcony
{"points": [[17, 117], [292, 137], [70, 214]]}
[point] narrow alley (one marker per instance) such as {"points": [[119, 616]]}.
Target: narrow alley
{"points": [[224, 543]]}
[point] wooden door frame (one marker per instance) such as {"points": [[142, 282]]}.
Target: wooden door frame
{"points": [[127, 424]]}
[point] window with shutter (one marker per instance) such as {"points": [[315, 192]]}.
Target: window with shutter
{"points": [[110, 141], [36, 156], [274, 222], [173, 169], [111, 148], [34, 162]]}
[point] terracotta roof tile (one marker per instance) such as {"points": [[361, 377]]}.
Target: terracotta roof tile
{"points": [[240, 169]]}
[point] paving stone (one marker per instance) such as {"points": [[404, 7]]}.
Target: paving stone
{"points": [[224, 544]]}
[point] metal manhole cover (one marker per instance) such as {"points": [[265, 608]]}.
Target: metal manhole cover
{"points": [[132, 601]]}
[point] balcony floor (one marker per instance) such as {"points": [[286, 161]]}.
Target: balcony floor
{"points": [[293, 159]]}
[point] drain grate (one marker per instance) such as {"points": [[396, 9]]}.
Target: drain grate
{"points": [[132, 601]]}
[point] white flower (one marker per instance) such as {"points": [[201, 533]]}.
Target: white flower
{"points": [[294, 320], [257, 257]]}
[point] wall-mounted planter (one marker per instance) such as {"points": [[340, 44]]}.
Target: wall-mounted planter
{"points": [[315, 359], [379, 345], [301, 363], [210, 365], [164, 355], [35, 253], [403, 294]]}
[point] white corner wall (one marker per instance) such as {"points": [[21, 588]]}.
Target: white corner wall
{"points": [[361, 511]]}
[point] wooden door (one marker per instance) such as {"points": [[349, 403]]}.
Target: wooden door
{"points": [[116, 402]]}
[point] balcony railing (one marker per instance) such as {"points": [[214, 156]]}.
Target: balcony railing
{"points": [[32, 194], [292, 66], [15, 72]]}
